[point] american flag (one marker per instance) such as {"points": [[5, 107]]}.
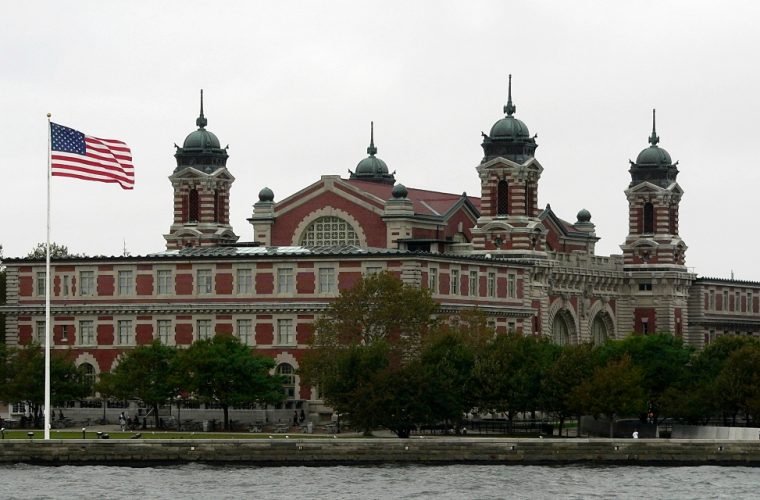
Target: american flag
{"points": [[74, 154]]}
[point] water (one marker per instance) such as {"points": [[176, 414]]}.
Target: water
{"points": [[378, 482]]}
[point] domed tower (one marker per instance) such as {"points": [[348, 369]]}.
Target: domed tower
{"points": [[509, 174], [653, 201], [372, 168], [653, 252], [201, 184]]}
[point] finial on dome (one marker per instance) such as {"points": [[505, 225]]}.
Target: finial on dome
{"points": [[201, 121], [371, 150], [653, 139], [510, 108]]}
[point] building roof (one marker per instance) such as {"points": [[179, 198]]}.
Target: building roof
{"points": [[424, 202]]}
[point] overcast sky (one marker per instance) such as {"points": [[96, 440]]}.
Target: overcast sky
{"points": [[292, 87]]}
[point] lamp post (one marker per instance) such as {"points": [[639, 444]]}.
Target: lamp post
{"points": [[2, 432], [83, 433]]}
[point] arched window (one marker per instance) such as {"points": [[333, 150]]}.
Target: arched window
{"points": [[329, 231], [560, 333], [88, 375], [528, 199], [192, 214], [502, 198], [288, 374], [648, 217], [598, 331]]}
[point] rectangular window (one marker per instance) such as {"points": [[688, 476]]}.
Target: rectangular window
{"points": [[511, 326], [285, 332], [491, 285], [126, 283], [370, 270], [245, 280], [512, 286], [65, 333], [86, 332], [203, 327], [473, 284], [165, 282], [204, 281], [455, 282], [645, 287], [41, 284], [124, 331], [326, 279], [737, 302], [164, 327], [39, 334], [433, 279], [86, 283], [245, 331], [711, 300], [750, 300], [725, 301], [285, 280], [65, 285]]}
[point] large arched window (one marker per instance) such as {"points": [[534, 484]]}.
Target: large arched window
{"points": [[193, 206], [502, 198], [288, 374], [329, 231], [560, 333], [599, 333], [648, 217]]}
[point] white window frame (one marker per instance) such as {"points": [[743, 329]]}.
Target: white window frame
{"points": [[65, 285], [164, 281], [474, 283], [244, 280], [86, 286], [125, 332], [327, 281], [433, 279], [169, 334], [491, 284], [282, 337], [81, 338], [370, 270], [39, 332], [286, 280], [511, 286], [204, 328], [204, 277], [40, 284], [245, 331], [454, 281], [125, 282]]}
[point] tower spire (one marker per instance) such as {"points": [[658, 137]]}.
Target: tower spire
{"points": [[371, 150], [201, 121], [653, 139], [510, 108]]}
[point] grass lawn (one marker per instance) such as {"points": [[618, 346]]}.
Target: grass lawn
{"points": [[55, 434]]}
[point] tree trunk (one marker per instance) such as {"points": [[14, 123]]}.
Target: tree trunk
{"points": [[612, 426], [226, 409], [155, 415], [561, 424]]}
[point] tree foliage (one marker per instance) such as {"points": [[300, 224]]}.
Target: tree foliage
{"points": [[221, 370], [57, 250], [147, 373]]}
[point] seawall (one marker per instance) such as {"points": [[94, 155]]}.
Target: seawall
{"points": [[375, 451]]}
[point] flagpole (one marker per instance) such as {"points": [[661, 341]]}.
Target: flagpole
{"points": [[47, 295]]}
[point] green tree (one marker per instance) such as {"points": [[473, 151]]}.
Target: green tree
{"points": [[221, 370], [614, 390], [377, 307], [574, 364], [509, 372], [26, 379], [737, 386], [147, 373], [363, 348], [662, 359], [56, 251]]}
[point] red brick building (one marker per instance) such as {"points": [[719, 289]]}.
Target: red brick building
{"points": [[528, 269]]}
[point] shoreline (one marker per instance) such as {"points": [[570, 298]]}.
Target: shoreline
{"points": [[375, 451]]}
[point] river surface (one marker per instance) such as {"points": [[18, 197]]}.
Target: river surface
{"points": [[388, 481]]}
